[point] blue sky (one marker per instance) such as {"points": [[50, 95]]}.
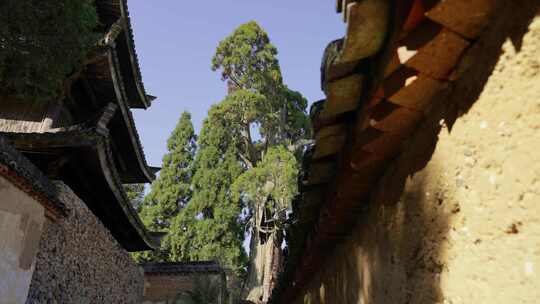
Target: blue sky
{"points": [[175, 41]]}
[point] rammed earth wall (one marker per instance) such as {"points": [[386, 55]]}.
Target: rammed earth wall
{"points": [[80, 262], [456, 218]]}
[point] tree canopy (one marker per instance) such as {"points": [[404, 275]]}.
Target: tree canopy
{"points": [[257, 94], [247, 58]]}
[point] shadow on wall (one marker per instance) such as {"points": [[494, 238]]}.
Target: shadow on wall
{"points": [[397, 251], [413, 217], [394, 254], [512, 22]]}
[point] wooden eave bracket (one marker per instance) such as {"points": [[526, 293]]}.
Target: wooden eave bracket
{"points": [[112, 34]]}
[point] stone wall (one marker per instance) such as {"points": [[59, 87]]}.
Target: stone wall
{"points": [[456, 218], [21, 223], [80, 262]]}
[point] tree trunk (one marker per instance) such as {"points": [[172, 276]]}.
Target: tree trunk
{"points": [[264, 263], [252, 287], [272, 266]]}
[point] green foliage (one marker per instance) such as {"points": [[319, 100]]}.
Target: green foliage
{"points": [[171, 190], [233, 172], [41, 42], [248, 60], [209, 228], [241, 107], [275, 176], [135, 194], [259, 100]]}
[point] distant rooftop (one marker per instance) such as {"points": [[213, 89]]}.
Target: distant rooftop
{"points": [[182, 268]]}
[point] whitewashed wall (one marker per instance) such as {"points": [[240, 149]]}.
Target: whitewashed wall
{"points": [[21, 223]]}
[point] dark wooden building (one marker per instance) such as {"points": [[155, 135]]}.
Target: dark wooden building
{"points": [[84, 147], [88, 138]]}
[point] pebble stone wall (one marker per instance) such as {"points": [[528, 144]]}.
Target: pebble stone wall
{"points": [[80, 262]]}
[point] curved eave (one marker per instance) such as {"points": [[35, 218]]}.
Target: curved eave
{"points": [[144, 100], [113, 12], [113, 178], [91, 159], [144, 174]]}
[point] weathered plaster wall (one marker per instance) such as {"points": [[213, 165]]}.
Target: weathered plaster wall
{"points": [[161, 289], [80, 262], [21, 223], [466, 227]]}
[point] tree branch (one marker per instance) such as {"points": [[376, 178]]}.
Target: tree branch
{"points": [[299, 144], [246, 160]]}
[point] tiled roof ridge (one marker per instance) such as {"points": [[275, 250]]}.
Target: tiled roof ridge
{"points": [[188, 267], [375, 100], [181, 263]]}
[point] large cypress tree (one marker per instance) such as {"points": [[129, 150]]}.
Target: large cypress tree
{"points": [[241, 181], [259, 100], [171, 191]]}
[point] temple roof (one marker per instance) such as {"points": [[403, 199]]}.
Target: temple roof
{"points": [[111, 11], [129, 88], [89, 139], [82, 157], [182, 268], [110, 74], [396, 63]]}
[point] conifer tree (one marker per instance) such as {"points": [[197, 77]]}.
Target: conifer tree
{"points": [[240, 181], [209, 227], [259, 100], [171, 191]]}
